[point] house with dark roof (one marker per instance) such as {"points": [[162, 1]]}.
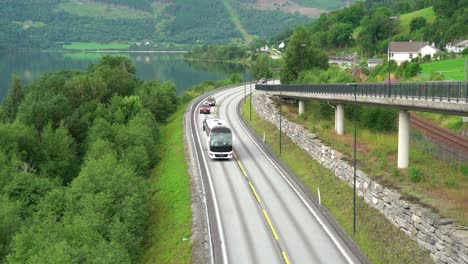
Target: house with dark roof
{"points": [[401, 51], [457, 46]]}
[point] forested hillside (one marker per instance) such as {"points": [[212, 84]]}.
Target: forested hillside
{"points": [[366, 26], [43, 24]]}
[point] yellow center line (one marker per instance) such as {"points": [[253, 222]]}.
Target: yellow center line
{"points": [[286, 259], [255, 193], [271, 225], [285, 256], [240, 165]]}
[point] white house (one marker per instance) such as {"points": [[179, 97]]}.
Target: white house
{"points": [[281, 45], [265, 48], [457, 46], [401, 51]]}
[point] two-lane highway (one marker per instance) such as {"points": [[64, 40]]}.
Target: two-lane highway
{"points": [[256, 211]]}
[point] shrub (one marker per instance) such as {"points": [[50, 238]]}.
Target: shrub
{"points": [[326, 111], [302, 116], [451, 182], [378, 119], [415, 174], [464, 169], [396, 173], [456, 124]]}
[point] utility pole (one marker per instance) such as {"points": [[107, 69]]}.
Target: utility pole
{"points": [[281, 106], [302, 51], [250, 89], [390, 50], [354, 169]]}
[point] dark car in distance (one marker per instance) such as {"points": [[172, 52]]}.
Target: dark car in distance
{"points": [[211, 101], [205, 109]]}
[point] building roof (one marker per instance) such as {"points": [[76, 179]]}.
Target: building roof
{"points": [[407, 46], [460, 42], [374, 60]]}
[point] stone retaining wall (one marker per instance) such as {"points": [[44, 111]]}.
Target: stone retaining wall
{"points": [[447, 242]]}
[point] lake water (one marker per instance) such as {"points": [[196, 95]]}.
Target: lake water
{"points": [[150, 66]]}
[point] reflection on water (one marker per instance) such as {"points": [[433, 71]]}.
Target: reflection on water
{"points": [[150, 66]]}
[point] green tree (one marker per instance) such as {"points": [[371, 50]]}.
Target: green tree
{"points": [[375, 27], [235, 78], [41, 110], [261, 67], [28, 189], [10, 222], [13, 100], [464, 52], [339, 35], [58, 154], [159, 98], [301, 54], [417, 23]]}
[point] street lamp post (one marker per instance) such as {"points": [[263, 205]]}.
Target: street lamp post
{"points": [[354, 161], [245, 84], [302, 47], [389, 50], [281, 105], [250, 89]]}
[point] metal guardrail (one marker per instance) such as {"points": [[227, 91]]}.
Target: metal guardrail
{"points": [[442, 91]]}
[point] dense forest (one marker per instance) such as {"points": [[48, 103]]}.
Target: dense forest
{"points": [[75, 148], [47, 24]]}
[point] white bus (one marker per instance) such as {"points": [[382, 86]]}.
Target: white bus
{"points": [[218, 138]]}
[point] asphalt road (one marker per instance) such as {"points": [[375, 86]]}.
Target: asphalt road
{"points": [[257, 211]]}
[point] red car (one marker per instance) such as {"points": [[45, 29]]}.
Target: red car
{"points": [[205, 109]]}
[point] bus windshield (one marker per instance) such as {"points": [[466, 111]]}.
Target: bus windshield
{"points": [[221, 142]]}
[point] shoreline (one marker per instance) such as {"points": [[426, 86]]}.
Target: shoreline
{"points": [[115, 51]]}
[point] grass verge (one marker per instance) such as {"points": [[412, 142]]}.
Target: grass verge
{"points": [[452, 69], [167, 238], [377, 238], [96, 46], [443, 186]]}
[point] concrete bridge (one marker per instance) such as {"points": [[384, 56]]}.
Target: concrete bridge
{"points": [[437, 97]]}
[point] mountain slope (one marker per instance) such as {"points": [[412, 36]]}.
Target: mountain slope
{"points": [[47, 23]]}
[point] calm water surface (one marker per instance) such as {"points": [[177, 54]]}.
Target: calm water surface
{"points": [[150, 66]]}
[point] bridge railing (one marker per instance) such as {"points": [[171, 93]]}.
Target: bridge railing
{"points": [[448, 91]]}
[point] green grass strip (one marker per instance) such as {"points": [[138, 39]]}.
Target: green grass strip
{"points": [[453, 69], [96, 46], [377, 238], [168, 235]]}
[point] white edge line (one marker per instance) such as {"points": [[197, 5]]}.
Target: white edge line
{"points": [[300, 196], [218, 218], [203, 189]]}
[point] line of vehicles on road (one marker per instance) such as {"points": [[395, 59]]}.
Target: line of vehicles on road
{"points": [[218, 134]]}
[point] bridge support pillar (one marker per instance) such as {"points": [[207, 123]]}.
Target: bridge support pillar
{"points": [[301, 106], [403, 139], [339, 119]]}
